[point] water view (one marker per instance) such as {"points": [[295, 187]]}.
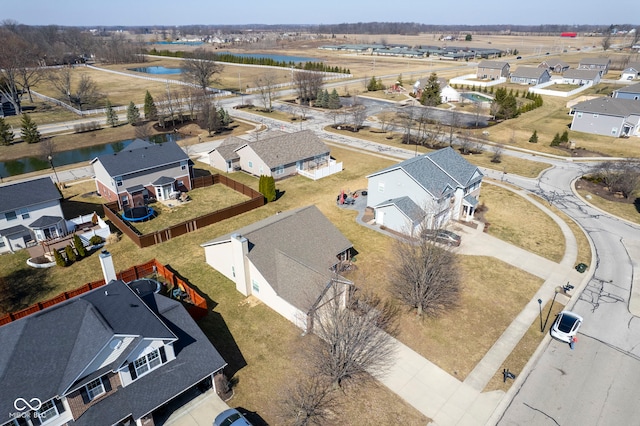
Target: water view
{"points": [[80, 155], [157, 70]]}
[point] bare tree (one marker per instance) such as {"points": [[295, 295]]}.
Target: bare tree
{"points": [[191, 100], [200, 69], [12, 60], [497, 150], [307, 84], [311, 401], [84, 92], [606, 41], [143, 131], [358, 114], [266, 86], [357, 338], [453, 124], [406, 119], [619, 176], [425, 275], [168, 105], [387, 122]]}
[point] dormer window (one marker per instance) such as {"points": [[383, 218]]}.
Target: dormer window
{"points": [[95, 388], [147, 363]]}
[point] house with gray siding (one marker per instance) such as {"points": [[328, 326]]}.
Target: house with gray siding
{"points": [[530, 75], [111, 356], [30, 212], [143, 171], [600, 64], [289, 261], [581, 76], [493, 70], [285, 154], [607, 116], [425, 191], [629, 92]]}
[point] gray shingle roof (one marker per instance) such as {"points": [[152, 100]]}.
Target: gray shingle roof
{"points": [[632, 88], [304, 237], [289, 148], [227, 149], [438, 172], [19, 195], [492, 64], [163, 180], [45, 221], [407, 207], [142, 156], [18, 229], [529, 72], [595, 61], [609, 106], [581, 74]]}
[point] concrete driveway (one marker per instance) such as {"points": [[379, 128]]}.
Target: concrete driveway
{"points": [[200, 411]]}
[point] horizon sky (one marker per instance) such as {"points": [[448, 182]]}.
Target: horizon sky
{"points": [[198, 12]]}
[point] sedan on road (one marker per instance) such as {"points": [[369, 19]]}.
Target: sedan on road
{"points": [[566, 326]]}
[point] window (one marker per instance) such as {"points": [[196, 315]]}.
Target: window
{"points": [[118, 180], [2, 244], [147, 362], [125, 201], [255, 286], [233, 270], [595, 115], [10, 216], [250, 164], [279, 170], [579, 115], [95, 388], [183, 165], [614, 131], [47, 411], [24, 213]]}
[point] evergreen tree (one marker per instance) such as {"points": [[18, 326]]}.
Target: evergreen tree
{"points": [[225, 118], [71, 255], [112, 117], [30, 133], [261, 184], [334, 100], [77, 243], [133, 114], [58, 258], [431, 92], [565, 137], [150, 110], [374, 84], [6, 134], [534, 137], [320, 100], [270, 189], [556, 140]]}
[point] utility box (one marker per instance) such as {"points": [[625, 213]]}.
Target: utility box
{"points": [[581, 267]]}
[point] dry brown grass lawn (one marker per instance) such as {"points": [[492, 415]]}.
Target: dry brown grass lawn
{"points": [[626, 211], [521, 224]]}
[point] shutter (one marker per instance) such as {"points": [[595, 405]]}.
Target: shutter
{"points": [[106, 383], [59, 405], [163, 355], [132, 371], [35, 419], [85, 395]]}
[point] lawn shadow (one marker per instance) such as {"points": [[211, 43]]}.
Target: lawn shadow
{"points": [[72, 208], [279, 194], [636, 204], [22, 288], [253, 417]]}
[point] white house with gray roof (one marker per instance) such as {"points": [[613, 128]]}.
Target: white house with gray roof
{"points": [[276, 154], [607, 116], [143, 170], [30, 211], [288, 261], [530, 75], [600, 64], [427, 190], [631, 71], [629, 92], [581, 77], [108, 357]]}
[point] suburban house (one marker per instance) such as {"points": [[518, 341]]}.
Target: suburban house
{"points": [[630, 92], [530, 75], [447, 93], [141, 171], [493, 70], [111, 356], [607, 116], [224, 157], [601, 64], [427, 190], [289, 261], [581, 76], [278, 154], [555, 66], [30, 212], [631, 72]]}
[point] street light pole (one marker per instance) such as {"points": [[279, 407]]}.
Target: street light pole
{"points": [[540, 305], [50, 158]]}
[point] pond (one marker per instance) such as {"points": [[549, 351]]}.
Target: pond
{"points": [[80, 155], [157, 70], [476, 97]]}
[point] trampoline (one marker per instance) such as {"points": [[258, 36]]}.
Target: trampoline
{"points": [[138, 214], [144, 286]]}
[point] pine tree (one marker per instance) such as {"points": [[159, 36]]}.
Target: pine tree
{"points": [[112, 116], [556, 140], [565, 137], [150, 110], [58, 258], [261, 184], [270, 189], [30, 133], [77, 243], [6, 134], [534, 137], [373, 85], [431, 93], [334, 100], [133, 114], [71, 255]]}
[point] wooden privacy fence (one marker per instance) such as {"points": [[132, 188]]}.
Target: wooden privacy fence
{"points": [[197, 307], [146, 240]]}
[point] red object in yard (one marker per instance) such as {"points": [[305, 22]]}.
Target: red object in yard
{"points": [[342, 197], [568, 34]]}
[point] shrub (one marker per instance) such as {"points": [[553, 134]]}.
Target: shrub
{"points": [[59, 259], [71, 255], [95, 240], [534, 137]]}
